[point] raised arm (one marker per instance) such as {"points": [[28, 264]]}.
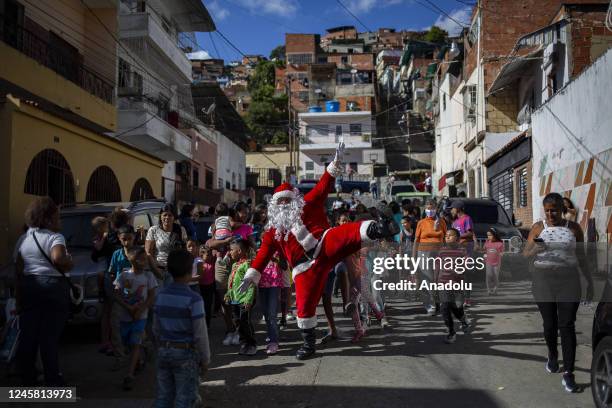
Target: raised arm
{"points": [[319, 194]]}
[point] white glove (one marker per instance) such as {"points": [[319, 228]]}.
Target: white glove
{"points": [[336, 168]]}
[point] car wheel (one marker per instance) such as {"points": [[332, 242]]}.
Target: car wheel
{"points": [[601, 373]]}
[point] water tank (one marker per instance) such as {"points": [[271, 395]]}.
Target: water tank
{"points": [[332, 106], [315, 108]]}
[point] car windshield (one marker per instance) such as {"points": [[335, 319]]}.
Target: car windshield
{"points": [[486, 214], [76, 228], [403, 189]]}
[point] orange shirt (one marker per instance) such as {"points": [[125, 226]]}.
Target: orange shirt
{"points": [[426, 234]]}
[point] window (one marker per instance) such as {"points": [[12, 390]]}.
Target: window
{"points": [[49, 175], [196, 178], [141, 220], [299, 59], [209, 178], [103, 186], [469, 102], [523, 187], [310, 176], [355, 129], [344, 59], [309, 166], [142, 190], [338, 133]]}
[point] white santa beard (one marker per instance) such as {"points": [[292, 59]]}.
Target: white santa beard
{"points": [[283, 217]]}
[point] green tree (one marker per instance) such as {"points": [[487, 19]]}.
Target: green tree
{"points": [[267, 113], [436, 35], [278, 53]]}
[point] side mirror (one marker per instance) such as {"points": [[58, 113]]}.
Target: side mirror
{"points": [[518, 223]]}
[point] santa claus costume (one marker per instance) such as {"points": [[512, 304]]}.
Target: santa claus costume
{"points": [[298, 229]]}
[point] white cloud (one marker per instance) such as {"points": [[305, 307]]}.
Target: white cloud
{"points": [[217, 11], [198, 55], [462, 15], [281, 8], [364, 6]]}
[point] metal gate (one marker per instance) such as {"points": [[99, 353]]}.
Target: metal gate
{"points": [[501, 188]]}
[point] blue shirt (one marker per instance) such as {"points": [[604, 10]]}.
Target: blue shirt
{"points": [[179, 317], [118, 263], [176, 307], [398, 219]]}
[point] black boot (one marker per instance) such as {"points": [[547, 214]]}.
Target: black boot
{"points": [[308, 348], [385, 226]]}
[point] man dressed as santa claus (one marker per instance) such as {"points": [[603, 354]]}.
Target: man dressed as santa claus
{"points": [[298, 228]]}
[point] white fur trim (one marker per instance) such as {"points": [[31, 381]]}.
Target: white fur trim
{"points": [[283, 194], [363, 231], [335, 168], [304, 237], [307, 322], [303, 267], [254, 275]]}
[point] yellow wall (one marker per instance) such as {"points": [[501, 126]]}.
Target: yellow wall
{"points": [[30, 130], [267, 160], [40, 80]]}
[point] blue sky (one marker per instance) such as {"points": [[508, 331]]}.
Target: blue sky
{"points": [[257, 26]]}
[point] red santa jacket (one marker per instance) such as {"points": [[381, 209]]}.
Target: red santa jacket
{"points": [[303, 238]]}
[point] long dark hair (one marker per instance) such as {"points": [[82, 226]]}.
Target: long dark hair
{"points": [[495, 234], [169, 208]]}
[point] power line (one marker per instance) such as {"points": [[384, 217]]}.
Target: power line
{"points": [[444, 12], [212, 40], [354, 16]]}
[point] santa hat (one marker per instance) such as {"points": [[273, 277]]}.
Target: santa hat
{"points": [[285, 190]]}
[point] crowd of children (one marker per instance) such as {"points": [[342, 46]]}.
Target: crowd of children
{"points": [[206, 276]]}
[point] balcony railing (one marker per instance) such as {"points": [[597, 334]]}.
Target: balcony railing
{"points": [[61, 61], [263, 177]]}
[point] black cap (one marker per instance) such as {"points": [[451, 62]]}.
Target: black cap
{"points": [[457, 204]]}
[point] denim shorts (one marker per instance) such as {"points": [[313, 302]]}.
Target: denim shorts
{"points": [[132, 332]]}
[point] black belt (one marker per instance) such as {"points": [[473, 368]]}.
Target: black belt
{"points": [[306, 257]]}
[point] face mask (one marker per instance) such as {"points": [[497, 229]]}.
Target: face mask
{"points": [[430, 213]]}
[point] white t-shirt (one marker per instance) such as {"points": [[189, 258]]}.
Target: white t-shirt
{"points": [[34, 262], [134, 288]]}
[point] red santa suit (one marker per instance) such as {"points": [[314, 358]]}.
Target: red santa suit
{"points": [[311, 248]]}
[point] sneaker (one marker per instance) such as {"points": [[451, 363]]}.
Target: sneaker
{"points": [[467, 303], [227, 341], [384, 323], [552, 365], [272, 348], [465, 326], [431, 311], [282, 323], [569, 382], [235, 338], [328, 338], [290, 317], [251, 350], [243, 349], [450, 338], [128, 383], [358, 335]]}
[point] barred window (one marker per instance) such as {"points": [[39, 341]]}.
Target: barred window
{"points": [[103, 186], [142, 190], [523, 187], [49, 174], [299, 59], [355, 129]]}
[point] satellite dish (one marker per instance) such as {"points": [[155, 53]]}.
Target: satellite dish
{"points": [[454, 51]]}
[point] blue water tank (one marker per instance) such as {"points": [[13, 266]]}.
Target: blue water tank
{"points": [[315, 108], [332, 106]]}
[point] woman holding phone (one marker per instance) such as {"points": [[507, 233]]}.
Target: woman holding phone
{"points": [[555, 246]]}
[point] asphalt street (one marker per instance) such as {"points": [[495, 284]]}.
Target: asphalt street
{"points": [[501, 364]]}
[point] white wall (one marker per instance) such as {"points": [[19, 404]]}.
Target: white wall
{"points": [[168, 177], [572, 132], [231, 163]]}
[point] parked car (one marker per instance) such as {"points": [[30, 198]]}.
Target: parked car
{"points": [[601, 363], [76, 228], [355, 187], [487, 213], [420, 196], [397, 187]]}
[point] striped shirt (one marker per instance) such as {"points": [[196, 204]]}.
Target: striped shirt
{"points": [[179, 317]]}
